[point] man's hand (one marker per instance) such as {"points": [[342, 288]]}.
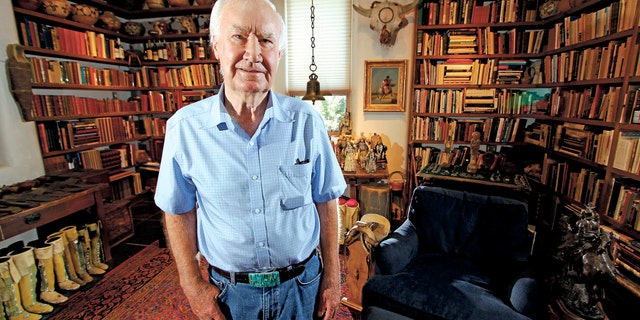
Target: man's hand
{"points": [[329, 296], [203, 298]]}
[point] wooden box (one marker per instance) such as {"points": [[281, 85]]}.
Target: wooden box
{"points": [[118, 222]]}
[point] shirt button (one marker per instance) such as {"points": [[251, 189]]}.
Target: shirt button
{"points": [[254, 177], [251, 143], [260, 244], [257, 211]]}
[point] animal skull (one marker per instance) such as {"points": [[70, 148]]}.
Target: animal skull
{"points": [[387, 18]]}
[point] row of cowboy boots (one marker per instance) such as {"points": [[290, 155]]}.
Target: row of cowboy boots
{"points": [[67, 258]]}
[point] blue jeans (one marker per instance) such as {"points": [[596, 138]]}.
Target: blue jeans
{"points": [[292, 299]]}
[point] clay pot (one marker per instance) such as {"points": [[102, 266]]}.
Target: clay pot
{"points": [[155, 4], [178, 3], [58, 8], [29, 4], [133, 28], [110, 21], [84, 14]]}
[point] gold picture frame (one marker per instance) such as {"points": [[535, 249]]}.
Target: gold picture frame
{"points": [[385, 85]]}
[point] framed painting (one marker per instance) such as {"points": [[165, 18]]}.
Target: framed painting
{"points": [[385, 85]]}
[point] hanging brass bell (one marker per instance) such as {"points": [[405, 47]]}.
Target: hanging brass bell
{"points": [[313, 89]]}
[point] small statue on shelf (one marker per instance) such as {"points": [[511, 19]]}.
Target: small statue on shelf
{"points": [[345, 124], [472, 167], [380, 151], [585, 264], [371, 166], [363, 150], [349, 157]]}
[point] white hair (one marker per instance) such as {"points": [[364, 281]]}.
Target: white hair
{"points": [[214, 23]]}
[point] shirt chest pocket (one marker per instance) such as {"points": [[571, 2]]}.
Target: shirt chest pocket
{"points": [[295, 185]]}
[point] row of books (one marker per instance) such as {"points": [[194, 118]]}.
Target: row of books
{"points": [[66, 135], [627, 155], [598, 103], [579, 184], [116, 157], [472, 71], [482, 41], [631, 109], [589, 64], [582, 141], [195, 75], [482, 100], [48, 71], [125, 184], [573, 29], [625, 253], [623, 204], [472, 11], [66, 105], [446, 129]]}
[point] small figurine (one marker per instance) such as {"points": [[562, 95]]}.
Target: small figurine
{"points": [[350, 157], [475, 147], [363, 149], [371, 166]]}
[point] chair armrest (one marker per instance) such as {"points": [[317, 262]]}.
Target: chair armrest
{"points": [[526, 292], [397, 250]]}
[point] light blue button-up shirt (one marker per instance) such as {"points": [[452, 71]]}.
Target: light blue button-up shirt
{"points": [[255, 195]]}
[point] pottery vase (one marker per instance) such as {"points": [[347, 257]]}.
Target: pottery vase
{"points": [[20, 78], [133, 28], [178, 3], [58, 8], [33, 5], [84, 14], [110, 21], [155, 4]]}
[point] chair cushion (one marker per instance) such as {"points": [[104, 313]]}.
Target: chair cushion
{"points": [[440, 286], [469, 224]]}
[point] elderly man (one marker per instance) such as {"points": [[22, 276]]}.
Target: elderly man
{"points": [[249, 179]]}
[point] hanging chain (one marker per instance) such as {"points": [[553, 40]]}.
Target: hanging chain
{"points": [[313, 66]]}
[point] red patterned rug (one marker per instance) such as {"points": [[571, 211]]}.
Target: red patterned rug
{"points": [[143, 287]]}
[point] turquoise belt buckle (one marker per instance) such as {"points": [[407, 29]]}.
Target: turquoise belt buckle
{"points": [[264, 280]]}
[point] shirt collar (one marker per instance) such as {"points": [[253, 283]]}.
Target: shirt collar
{"points": [[275, 108]]}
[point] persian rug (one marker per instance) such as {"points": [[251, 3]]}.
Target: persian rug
{"points": [[143, 287]]}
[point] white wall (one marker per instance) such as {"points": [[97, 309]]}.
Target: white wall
{"points": [[392, 126], [20, 157]]}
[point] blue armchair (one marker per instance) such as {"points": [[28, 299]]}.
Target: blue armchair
{"points": [[459, 255]]}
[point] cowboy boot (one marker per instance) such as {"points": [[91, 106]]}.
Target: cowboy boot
{"points": [[44, 257], [10, 293], [59, 268], [25, 263], [77, 253], [85, 244], [68, 258], [97, 250]]}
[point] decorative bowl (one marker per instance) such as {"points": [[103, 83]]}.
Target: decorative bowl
{"points": [[179, 3], [110, 21], [33, 5], [133, 28], [155, 4], [84, 14], [58, 8]]}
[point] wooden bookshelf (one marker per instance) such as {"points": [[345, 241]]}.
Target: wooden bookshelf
{"points": [[587, 71]]}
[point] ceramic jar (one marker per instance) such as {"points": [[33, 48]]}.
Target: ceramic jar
{"points": [[84, 14], [29, 4], [178, 3], [58, 8], [155, 4], [110, 21], [133, 28]]}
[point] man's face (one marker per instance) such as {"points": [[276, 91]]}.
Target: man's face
{"points": [[248, 48]]}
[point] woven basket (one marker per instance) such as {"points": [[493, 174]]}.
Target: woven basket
{"points": [[395, 183]]}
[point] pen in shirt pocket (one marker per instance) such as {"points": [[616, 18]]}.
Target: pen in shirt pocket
{"points": [[298, 161]]}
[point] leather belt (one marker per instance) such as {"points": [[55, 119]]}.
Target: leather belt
{"points": [[265, 279]]}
